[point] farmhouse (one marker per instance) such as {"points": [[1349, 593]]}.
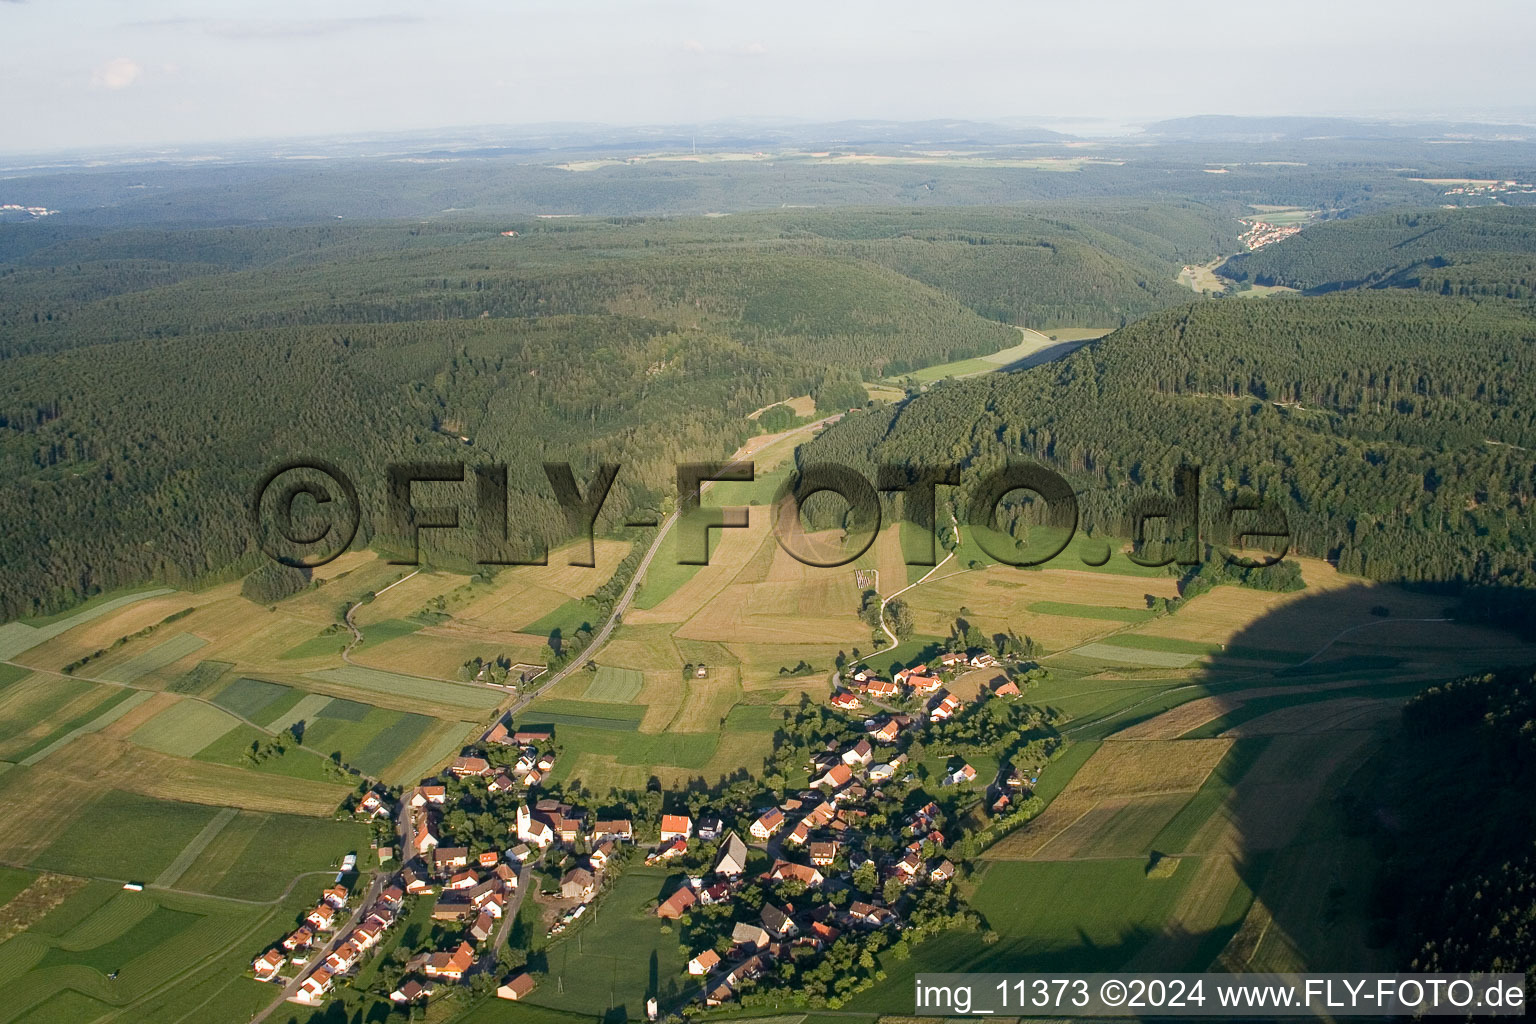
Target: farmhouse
{"points": [[703, 963], [300, 939], [882, 689], [372, 804], [424, 795], [323, 917], [620, 830], [467, 766], [823, 854], [771, 821], [784, 870], [451, 965], [502, 783], [482, 928], [846, 701], [858, 754], [838, 776], [533, 735], [1006, 688], [426, 835]]}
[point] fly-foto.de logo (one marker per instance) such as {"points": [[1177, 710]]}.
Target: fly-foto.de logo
{"points": [[306, 513]]}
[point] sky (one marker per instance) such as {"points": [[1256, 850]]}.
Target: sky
{"points": [[81, 74]]}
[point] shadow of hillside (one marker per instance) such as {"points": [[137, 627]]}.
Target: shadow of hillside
{"points": [[1277, 852]]}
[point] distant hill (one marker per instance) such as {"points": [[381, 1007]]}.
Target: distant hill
{"points": [[1230, 128], [1483, 251]]}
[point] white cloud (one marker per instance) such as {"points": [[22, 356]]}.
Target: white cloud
{"points": [[117, 74], [693, 46], [754, 48]]}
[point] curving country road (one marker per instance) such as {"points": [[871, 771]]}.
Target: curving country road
{"points": [[602, 636]]}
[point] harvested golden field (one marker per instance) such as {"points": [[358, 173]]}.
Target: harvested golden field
{"points": [[324, 604], [890, 561], [707, 703], [125, 726], [1122, 776], [407, 597], [100, 633], [32, 795], [999, 598], [1303, 621], [246, 633], [643, 647], [729, 552], [761, 563], [342, 564], [760, 663], [1115, 828], [664, 695], [509, 604], [1175, 722], [32, 708], [761, 613], [574, 581], [431, 654]]}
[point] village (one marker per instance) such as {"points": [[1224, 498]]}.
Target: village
{"points": [[860, 857]]}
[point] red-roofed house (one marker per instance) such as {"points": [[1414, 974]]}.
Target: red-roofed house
{"points": [[771, 821], [268, 964], [676, 826]]}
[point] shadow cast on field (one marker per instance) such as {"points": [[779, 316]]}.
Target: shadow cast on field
{"points": [[1273, 872]]}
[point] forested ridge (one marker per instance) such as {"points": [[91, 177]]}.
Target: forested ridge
{"points": [[1458, 885], [1394, 429], [151, 376], [1480, 252]]}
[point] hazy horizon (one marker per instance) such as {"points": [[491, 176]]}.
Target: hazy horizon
{"points": [[90, 74]]}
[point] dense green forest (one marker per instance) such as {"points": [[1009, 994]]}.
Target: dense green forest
{"points": [[1393, 429], [1481, 252], [1458, 887], [152, 375]]}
